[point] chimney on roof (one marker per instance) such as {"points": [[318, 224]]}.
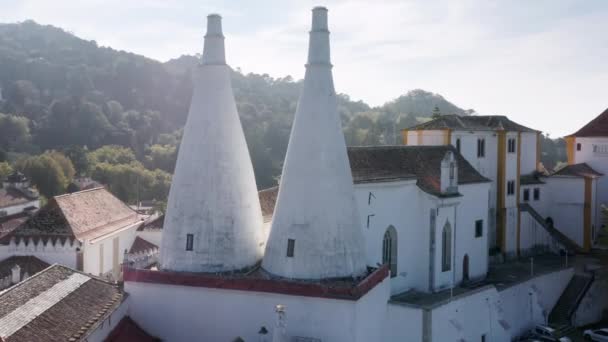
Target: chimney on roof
{"points": [[213, 50], [316, 231], [16, 274], [213, 221]]}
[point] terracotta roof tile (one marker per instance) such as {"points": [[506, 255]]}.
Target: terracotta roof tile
{"points": [[75, 311], [10, 223], [153, 224], [82, 215], [390, 163], [128, 331], [473, 123], [141, 245], [10, 197], [577, 170], [29, 264], [531, 179], [423, 163], [268, 198], [597, 127]]}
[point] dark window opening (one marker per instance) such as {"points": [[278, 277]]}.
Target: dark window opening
{"points": [[458, 145], [511, 145], [579, 147], [526, 195], [291, 246], [510, 188], [536, 194], [189, 242], [481, 148], [478, 228]]}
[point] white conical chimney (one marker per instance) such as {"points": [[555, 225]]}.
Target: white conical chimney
{"points": [[213, 221], [316, 232]]}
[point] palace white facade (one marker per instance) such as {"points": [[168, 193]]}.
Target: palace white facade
{"points": [[381, 243], [423, 221]]}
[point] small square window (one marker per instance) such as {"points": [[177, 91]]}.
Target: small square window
{"points": [[291, 246], [478, 228], [526, 195], [189, 242], [536, 194], [579, 147]]}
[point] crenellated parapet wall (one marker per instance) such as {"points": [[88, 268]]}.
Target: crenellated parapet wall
{"points": [[51, 250]]}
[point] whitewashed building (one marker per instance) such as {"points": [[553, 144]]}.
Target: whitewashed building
{"points": [[587, 151], [88, 230], [366, 243], [17, 197], [528, 211]]}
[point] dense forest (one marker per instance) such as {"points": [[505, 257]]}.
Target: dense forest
{"points": [[70, 108]]}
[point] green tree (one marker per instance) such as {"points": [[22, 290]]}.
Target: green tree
{"points": [[111, 154], [5, 170], [14, 132], [161, 157]]}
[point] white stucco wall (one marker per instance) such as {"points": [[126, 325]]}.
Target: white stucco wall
{"points": [[60, 254], [528, 152], [403, 323], [469, 317], [472, 207], [529, 303], [396, 204], [486, 166], [566, 207], [197, 313], [92, 253], [595, 302]]}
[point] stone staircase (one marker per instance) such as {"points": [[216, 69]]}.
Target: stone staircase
{"points": [[558, 236], [569, 300]]}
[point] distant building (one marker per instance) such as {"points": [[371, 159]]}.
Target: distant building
{"points": [[15, 269], [88, 230], [587, 151], [528, 210], [16, 196]]}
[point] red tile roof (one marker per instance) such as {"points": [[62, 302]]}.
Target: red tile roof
{"points": [[578, 170], [597, 127], [268, 198], [77, 312], [141, 245], [29, 264], [10, 223], [128, 331], [257, 280], [378, 163], [11, 197], [81, 215], [473, 123], [153, 224]]}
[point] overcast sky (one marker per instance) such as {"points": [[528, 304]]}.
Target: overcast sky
{"points": [[544, 63]]}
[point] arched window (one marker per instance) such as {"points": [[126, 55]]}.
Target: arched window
{"points": [[389, 250], [446, 248]]}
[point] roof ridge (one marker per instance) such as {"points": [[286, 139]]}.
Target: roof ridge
{"points": [[79, 192]]}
